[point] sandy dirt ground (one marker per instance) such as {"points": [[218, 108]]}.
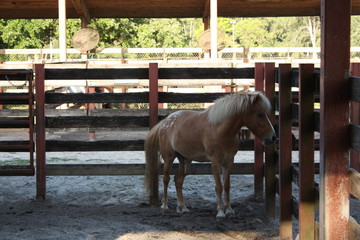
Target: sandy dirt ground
{"points": [[116, 208]]}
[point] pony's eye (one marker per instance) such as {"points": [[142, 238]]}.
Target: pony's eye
{"points": [[261, 115]]}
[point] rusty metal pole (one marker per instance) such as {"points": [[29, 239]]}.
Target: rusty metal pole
{"points": [[40, 132], [285, 151], [334, 119], [258, 147]]}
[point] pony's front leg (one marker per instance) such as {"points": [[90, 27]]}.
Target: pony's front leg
{"points": [[227, 171], [179, 180], [216, 169]]}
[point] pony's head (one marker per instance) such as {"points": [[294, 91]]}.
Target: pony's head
{"points": [[252, 107], [257, 119]]}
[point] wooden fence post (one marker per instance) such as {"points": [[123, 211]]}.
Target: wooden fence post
{"points": [[270, 160], [285, 151], [153, 94], [40, 131], [259, 149], [355, 118], [306, 152]]}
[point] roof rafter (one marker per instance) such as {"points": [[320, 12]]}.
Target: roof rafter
{"points": [[81, 9], [206, 12]]}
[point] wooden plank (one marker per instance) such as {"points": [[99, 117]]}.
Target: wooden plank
{"points": [[270, 159], [285, 143], [141, 97], [334, 94], [168, 97], [97, 122], [112, 145], [355, 89], [133, 169], [71, 74], [14, 146], [354, 181], [14, 98], [355, 137], [13, 122], [142, 73], [306, 152], [259, 149], [97, 145], [355, 110]]}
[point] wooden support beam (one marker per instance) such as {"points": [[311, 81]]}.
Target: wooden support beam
{"points": [[206, 13], [82, 10], [355, 116], [285, 143], [40, 131], [258, 148], [213, 27], [270, 159], [153, 94], [306, 152], [334, 119], [62, 30]]}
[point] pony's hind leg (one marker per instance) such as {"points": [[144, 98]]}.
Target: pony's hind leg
{"points": [[168, 161], [179, 180]]}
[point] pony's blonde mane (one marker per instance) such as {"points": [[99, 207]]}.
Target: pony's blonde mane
{"points": [[237, 104]]}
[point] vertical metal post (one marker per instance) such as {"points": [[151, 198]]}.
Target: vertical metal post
{"points": [[334, 119], [40, 131], [270, 161], [259, 149], [153, 94], [285, 151], [306, 152]]}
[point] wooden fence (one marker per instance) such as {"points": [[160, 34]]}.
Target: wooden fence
{"points": [[291, 109]]}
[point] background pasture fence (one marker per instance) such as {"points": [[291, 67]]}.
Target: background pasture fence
{"points": [[170, 55]]}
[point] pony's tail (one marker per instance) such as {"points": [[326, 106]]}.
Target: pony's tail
{"points": [[152, 156]]}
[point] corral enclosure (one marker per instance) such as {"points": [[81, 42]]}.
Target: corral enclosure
{"points": [[335, 83], [137, 118]]}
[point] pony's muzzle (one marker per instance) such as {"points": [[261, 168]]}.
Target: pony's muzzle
{"points": [[270, 139]]}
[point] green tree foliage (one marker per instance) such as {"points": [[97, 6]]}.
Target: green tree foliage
{"points": [[23, 33], [131, 32]]}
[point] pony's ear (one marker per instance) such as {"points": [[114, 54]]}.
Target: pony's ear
{"points": [[257, 98]]}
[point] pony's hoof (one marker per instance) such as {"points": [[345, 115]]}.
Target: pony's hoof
{"points": [[182, 210], [220, 215], [230, 213], [164, 207]]}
